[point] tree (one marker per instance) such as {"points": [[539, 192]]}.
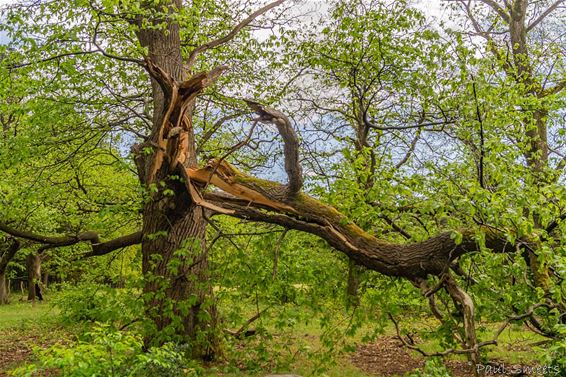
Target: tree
{"points": [[522, 62], [179, 197], [380, 85], [11, 249], [177, 290]]}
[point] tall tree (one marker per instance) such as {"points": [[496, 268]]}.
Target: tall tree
{"points": [[178, 197], [524, 47], [177, 289]]}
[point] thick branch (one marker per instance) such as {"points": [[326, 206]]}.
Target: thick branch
{"points": [[497, 8], [544, 14], [261, 200], [98, 248], [557, 88], [290, 143], [9, 254], [117, 243], [419, 125], [48, 240]]}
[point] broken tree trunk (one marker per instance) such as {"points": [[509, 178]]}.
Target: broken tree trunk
{"points": [[177, 291]]}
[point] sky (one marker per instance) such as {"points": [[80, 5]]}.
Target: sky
{"points": [[429, 7], [432, 8], [3, 38]]}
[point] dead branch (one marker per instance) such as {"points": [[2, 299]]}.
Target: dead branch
{"points": [[242, 330], [290, 143]]}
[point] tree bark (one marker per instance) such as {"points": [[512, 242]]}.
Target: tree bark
{"points": [[45, 279], [5, 258], [536, 152], [465, 306], [353, 284], [175, 259], [3, 289], [265, 201], [33, 265]]}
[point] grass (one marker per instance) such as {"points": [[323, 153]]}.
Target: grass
{"points": [[24, 326], [24, 314]]}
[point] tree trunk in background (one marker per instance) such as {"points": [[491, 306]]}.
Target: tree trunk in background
{"points": [[5, 258], [4, 290], [175, 259], [365, 180], [354, 279], [33, 265], [45, 279], [536, 153]]}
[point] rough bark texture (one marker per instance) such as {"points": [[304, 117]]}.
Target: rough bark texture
{"points": [[173, 246], [465, 305], [353, 284], [261, 200]]}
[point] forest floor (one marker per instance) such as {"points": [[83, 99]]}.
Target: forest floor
{"points": [[388, 357], [25, 327]]}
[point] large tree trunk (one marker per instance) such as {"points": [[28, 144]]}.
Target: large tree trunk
{"points": [[175, 262]]}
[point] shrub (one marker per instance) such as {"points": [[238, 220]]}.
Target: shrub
{"points": [[108, 352], [433, 368], [99, 303]]}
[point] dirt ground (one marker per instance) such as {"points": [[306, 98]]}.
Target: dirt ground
{"points": [[388, 357], [14, 350], [16, 347]]}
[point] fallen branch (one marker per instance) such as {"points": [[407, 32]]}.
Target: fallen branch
{"points": [[242, 330]]}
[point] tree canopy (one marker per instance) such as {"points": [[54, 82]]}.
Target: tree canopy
{"points": [[430, 155]]}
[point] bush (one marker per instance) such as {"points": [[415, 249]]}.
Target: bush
{"points": [[90, 302], [433, 368], [108, 352], [555, 356]]}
